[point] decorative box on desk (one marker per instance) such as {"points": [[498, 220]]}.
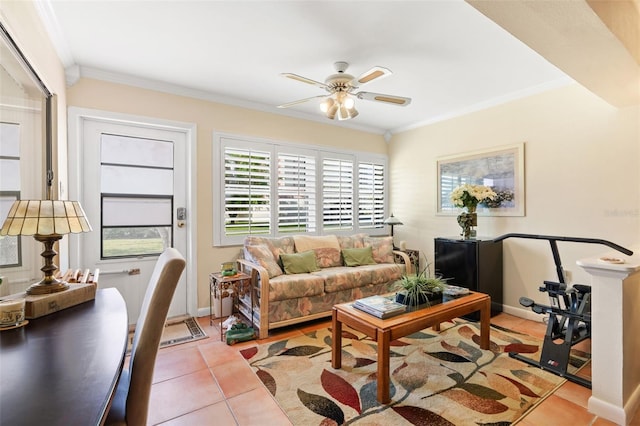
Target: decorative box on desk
{"points": [[82, 288], [472, 263], [40, 305]]}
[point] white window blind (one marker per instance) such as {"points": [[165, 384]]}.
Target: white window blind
{"points": [[296, 193], [136, 182], [371, 197], [247, 190], [337, 194], [276, 188]]}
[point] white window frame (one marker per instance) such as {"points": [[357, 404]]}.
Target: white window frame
{"points": [[222, 140]]}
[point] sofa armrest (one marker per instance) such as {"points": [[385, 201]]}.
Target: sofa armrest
{"points": [[407, 262], [258, 274]]}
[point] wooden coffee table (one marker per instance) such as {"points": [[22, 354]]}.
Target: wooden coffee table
{"points": [[386, 330]]}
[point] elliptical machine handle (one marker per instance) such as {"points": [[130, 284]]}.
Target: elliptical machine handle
{"points": [[570, 239]]}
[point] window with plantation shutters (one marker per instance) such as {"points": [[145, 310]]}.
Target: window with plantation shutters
{"points": [[247, 191], [296, 193], [271, 188], [371, 199], [337, 194]]}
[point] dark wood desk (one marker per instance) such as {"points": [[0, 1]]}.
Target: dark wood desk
{"points": [[62, 369]]}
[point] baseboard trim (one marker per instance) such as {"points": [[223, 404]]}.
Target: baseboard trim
{"points": [[613, 413], [523, 313], [607, 410]]}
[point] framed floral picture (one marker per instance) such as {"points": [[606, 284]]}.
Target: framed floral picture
{"points": [[501, 169]]}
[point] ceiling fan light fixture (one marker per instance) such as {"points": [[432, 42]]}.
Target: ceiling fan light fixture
{"points": [[327, 104], [346, 113], [343, 113], [348, 102], [342, 96], [332, 110]]}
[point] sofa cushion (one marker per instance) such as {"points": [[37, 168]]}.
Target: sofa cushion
{"points": [[294, 286], [299, 263], [344, 277], [353, 241], [382, 248], [385, 273], [326, 248], [276, 245], [328, 257], [261, 254], [358, 256]]}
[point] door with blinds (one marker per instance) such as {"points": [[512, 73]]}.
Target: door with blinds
{"points": [[133, 192]]}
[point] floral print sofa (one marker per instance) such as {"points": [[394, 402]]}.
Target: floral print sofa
{"points": [[287, 294]]}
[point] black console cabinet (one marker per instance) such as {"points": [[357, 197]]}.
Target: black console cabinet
{"points": [[475, 264]]}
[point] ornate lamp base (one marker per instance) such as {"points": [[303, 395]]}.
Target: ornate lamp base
{"points": [[49, 284], [43, 287]]}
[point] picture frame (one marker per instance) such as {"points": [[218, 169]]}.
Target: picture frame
{"points": [[501, 169]]}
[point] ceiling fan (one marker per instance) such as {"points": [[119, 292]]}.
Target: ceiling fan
{"points": [[341, 87]]}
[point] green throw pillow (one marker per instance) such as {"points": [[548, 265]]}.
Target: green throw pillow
{"points": [[358, 256], [299, 263]]}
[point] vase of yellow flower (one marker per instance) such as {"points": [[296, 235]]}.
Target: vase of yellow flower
{"points": [[469, 196]]}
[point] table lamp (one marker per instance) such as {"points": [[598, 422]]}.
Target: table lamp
{"points": [[392, 221], [47, 221]]}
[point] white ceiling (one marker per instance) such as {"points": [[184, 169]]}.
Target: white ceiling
{"points": [[445, 55]]}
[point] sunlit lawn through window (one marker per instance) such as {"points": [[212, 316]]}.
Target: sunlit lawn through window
{"points": [[132, 247]]}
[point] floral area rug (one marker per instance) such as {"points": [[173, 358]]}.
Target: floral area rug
{"points": [[437, 378]]}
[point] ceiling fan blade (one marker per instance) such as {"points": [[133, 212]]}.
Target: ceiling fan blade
{"points": [[388, 99], [304, 80], [374, 73], [299, 101]]}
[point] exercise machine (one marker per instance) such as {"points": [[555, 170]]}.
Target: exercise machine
{"points": [[569, 311]]}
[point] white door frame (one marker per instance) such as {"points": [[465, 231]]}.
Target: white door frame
{"points": [[76, 118]]}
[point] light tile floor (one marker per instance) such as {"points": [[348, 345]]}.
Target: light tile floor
{"points": [[209, 383]]}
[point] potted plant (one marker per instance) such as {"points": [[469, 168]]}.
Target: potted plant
{"points": [[419, 289]]}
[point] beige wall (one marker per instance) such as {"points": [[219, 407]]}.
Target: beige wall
{"points": [[581, 179], [210, 117]]}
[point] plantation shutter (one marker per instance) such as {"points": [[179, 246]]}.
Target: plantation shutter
{"points": [[337, 194], [371, 200], [247, 187], [296, 193]]}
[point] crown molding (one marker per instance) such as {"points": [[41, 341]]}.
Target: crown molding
{"points": [[540, 88], [52, 26]]}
